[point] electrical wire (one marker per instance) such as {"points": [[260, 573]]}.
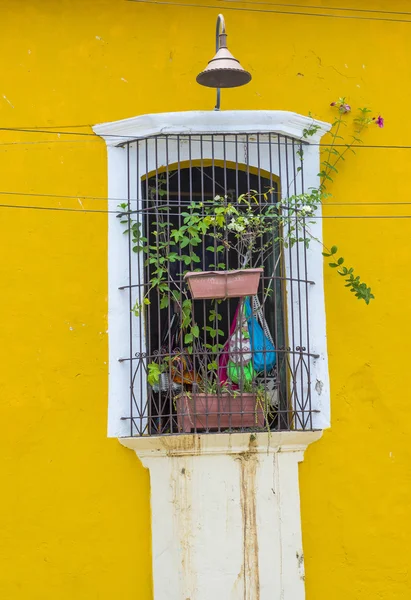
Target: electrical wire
{"points": [[84, 125], [116, 212], [49, 132], [59, 209], [143, 200], [280, 12], [348, 9], [50, 142], [205, 141]]}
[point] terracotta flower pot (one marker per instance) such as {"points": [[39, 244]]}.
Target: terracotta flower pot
{"points": [[223, 284], [210, 411]]}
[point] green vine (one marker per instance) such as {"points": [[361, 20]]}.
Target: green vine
{"points": [[316, 197]]}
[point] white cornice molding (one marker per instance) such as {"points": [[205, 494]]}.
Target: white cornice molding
{"points": [[208, 122], [228, 443]]}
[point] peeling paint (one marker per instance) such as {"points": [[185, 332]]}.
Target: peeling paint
{"points": [[183, 526], [319, 387], [250, 569], [181, 444], [300, 565]]}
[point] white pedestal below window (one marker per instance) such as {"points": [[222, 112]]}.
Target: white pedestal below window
{"points": [[225, 512]]}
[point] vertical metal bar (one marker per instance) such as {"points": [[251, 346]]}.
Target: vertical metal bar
{"points": [[169, 349], [140, 279], [247, 149], [213, 341], [204, 266], [130, 288], [288, 402], [227, 401], [291, 286], [195, 342], [265, 276], [180, 278], [280, 353], [307, 312], [146, 359], [298, 276], [276, 337], [157, 213]]}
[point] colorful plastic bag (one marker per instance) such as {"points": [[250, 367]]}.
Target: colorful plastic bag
{"points": [[224, 354], [240, 366], [263, 350]]}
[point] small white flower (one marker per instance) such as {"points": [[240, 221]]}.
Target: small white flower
{"points": [[234, 226], [306, 208], [217, 198]]}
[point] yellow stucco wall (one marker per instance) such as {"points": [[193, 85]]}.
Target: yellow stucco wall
{"points": [[74, 505]]}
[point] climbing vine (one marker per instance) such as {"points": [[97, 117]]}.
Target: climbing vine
{"points": [[336, 152]]}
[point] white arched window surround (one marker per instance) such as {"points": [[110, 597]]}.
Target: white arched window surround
{"points": [[117, 134]]}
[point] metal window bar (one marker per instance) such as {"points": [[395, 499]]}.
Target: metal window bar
{"points": [[165, 174]]}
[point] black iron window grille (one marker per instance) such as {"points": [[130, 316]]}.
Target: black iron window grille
{"points": [[222, 362]]}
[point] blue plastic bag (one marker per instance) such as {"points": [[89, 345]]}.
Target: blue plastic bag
{"points": [[263, 350]]}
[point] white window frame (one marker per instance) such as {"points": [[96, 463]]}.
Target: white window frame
{"points": [[117, 134]]}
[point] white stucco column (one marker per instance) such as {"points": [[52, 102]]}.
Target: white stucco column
{"points": [[225, 512]]}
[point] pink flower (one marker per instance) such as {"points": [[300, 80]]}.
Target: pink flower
{"points": [[345, 108], [342, 106], [380, 121]]}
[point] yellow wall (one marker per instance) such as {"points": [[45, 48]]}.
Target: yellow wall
{"points": [[75, 506]]}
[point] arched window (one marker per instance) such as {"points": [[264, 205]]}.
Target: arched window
{"points": [[157, 176]]}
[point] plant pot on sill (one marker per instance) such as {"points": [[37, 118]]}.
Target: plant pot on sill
{"points": [[211, 411], [223, 284]]}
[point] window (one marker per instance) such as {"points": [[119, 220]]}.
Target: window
{"points": [[159, 174]]}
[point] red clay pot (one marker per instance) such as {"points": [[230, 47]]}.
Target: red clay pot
{"points": [[210, 411], [223, 284]]}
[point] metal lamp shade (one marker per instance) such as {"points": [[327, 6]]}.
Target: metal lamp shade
{"points": [[223, 71]]}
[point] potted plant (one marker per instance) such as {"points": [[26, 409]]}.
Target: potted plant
{"points": [[235, 227], [207, 400], [221, 409], [204, 285]]}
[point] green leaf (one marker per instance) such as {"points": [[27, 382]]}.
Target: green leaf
{"points": [[154, 372], [146, 301], [188, 338], [164, 301], [334, 249], [195, 330], [212, 366], [340, 261]]}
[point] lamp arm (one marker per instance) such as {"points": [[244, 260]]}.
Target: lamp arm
{"points": [[220, 28]]}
